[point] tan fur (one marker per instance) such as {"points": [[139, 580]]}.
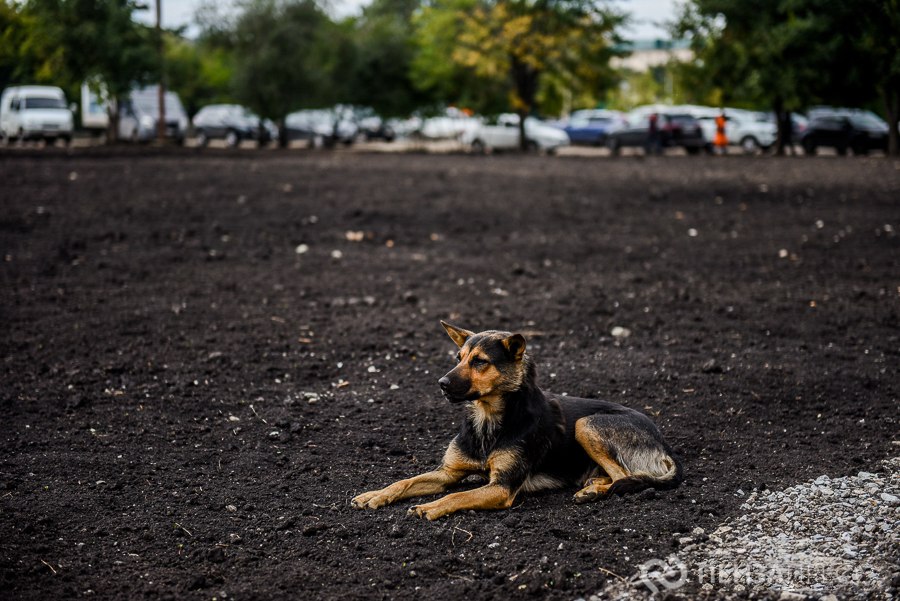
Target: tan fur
{"points": [[454, 468], [491, 496], [590, 441], [458, 335], [502, 461]]}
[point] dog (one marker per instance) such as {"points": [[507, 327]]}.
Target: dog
{"points": [[523, 439]]}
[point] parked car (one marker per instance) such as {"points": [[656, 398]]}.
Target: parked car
{"points": [[139, 114], [322, 127], [231, 123], [450, 125], [590, 126], [675, 129], [35, 113], [504, 135], [372, 126], [751, 130], [844, 129]]}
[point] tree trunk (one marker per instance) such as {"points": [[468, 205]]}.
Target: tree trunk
{"points": [[283, 139], [525, 79], [892, 110], [783, 120], [112, 125], [523, 139]]}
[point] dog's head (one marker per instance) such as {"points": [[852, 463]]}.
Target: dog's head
{"points": [[489, 364]]}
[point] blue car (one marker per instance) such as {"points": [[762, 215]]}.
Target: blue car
{"points": [[590, 127]]}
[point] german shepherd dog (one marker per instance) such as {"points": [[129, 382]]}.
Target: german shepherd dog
{"points": [[523, 439]]}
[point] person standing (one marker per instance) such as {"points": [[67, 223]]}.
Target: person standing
{"points": [[720, 141], [653, 142]]}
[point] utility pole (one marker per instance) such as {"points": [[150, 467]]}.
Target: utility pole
{"points": [[161, 122]]}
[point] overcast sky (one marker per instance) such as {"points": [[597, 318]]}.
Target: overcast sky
{"points": [[647, 14]]}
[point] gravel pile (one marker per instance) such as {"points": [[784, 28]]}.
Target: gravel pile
{"points": [[826, 539]]}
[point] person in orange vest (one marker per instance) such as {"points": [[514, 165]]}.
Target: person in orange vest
{"points": [[720, 141]]}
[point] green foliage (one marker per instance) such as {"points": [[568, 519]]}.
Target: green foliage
{"points": [[520, 54], [13, 34], [381, 75], [288, 55], [790, 54], [199, 71], [78, 40]]}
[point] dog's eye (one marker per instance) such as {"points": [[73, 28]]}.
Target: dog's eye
{"points": [[477, 362]]}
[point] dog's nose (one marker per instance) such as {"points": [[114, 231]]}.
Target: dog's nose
{"points": [[444, 383]]}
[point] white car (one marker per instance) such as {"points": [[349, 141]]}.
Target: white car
{"points": [[139, 114], [752, 131], [35, 113], [453, 124], [504, 135]]}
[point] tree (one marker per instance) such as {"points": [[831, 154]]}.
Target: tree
{"points": [[14, 32], [199, 70], [94, 40], [288, 55], [879, 44], [539, 52], [385, 47], [789, 54]]}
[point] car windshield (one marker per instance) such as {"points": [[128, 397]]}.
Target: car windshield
{"points": [[867, 121], [681, 120], [148, 102], [42, 102]]}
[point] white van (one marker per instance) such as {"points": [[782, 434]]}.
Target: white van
{"points": [[35, 113], [138, 114]]}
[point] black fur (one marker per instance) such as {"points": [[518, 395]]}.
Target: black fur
{"points": [[541, 429]]}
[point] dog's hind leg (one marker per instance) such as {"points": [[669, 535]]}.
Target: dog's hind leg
{"points": [[597, 449], [629, 449]]}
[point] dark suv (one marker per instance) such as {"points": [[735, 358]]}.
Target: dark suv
{"points": [[675, 129], [844, 129]]}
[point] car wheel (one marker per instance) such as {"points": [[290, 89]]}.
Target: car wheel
{"points": [[67, 141], [692, 150], [809, 147], [750, 145], [842, 151], [478, 147], [613, 145], [531, 147], [232, 139], [202, 139], [860, 149]]}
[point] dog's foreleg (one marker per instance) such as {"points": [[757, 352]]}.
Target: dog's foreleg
{"points": [[491, 496], [424, 484], [455, 466]]}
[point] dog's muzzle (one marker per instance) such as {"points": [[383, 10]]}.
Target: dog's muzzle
{"points": [[447, 390]]}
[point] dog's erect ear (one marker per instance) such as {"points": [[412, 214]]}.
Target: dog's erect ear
{"points": [[458, 335], [515, 344]]}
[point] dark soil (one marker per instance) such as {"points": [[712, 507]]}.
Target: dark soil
{"points": [[189, 403]]}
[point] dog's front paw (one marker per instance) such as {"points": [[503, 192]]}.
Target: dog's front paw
{"points": [[371, 500], [429, 511]]}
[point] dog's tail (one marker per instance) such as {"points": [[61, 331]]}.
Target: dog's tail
{"points": [[665, 473]]}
